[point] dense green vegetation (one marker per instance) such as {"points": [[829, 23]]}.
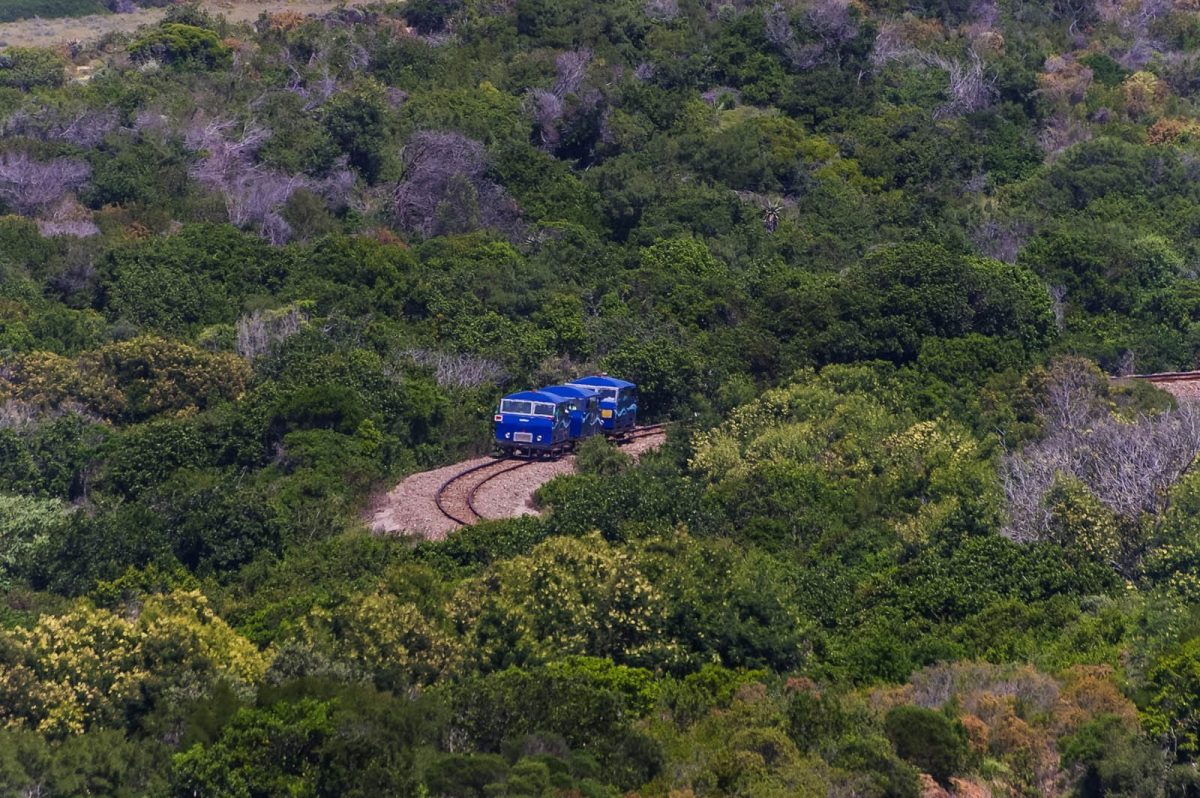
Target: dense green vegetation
{"points": [[24, 9], [875, 258]]}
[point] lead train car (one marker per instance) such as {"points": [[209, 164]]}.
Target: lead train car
{"points": [[533, 423], [618, 402]]}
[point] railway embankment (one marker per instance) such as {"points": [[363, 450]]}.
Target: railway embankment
{"points": [[434, 503]]}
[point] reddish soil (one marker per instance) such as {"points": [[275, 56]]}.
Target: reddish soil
{"points": [[1183, 385], [1183, 390], [410, 509]]}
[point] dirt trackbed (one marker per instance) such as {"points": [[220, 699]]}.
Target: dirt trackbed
{"points": [[411, 508]]}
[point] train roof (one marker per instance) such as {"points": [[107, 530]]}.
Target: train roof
{"points": [[602, 381], [536, 396], [573, 391]]}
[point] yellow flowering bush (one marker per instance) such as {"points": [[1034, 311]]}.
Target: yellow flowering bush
{"points": [[567, 596], [82, 669], [380, 633], [126, 380]]}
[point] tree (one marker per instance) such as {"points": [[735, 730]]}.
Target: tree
{"points": [[928, 739], [28, 68], [1173, 687], [25, 525], [899, 295], [445, 188], [358, 121], [89, 667], [184, 47], [263, 752], [30, 186]]}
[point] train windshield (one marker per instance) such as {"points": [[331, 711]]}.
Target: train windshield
{"points": [[522, 408]]}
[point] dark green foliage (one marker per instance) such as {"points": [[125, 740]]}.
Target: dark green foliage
{"points": [[357, 121], [28, 68], [575, 705], [840, 246], [143, 171], [261, 753], [900, 296], [184, 47], [100, 762], [25, 9], [597, 456], [1106, 70], [199, 276], [1115, 760], [928, 739]]}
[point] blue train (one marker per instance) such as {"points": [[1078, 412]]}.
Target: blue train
{"points": [[554, 419]]}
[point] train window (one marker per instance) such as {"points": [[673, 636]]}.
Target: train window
{"points": [[516, 406], [540, 409]]}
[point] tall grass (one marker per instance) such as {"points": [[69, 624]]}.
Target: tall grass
{"points": [[12, 10]]}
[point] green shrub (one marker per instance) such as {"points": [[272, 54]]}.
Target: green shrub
{"points": [[12, 10], [182, 46], [28, 68], [930, 740], [598, 456]]}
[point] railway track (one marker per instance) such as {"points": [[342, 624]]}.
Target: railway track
{"points": [[455, 498]]}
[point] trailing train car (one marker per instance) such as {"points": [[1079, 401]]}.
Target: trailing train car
{"points": [[533, 422], [584, 409], [618, 402]]}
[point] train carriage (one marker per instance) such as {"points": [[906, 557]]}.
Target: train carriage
{"points": [[618, 402], [584, 409], [533, 423]]}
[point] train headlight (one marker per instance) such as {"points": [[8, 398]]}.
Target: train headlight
{"points": [[539, 437]]}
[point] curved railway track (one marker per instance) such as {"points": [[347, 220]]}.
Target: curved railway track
{"points": [[455, 498]]}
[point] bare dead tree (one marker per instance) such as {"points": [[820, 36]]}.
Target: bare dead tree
{"points": [[68, 218], [718, 94], [21, 416], [546, 108], [828, 22], [1058, 298], [18, 415], [832, 23], [1129, 466], [662, 10], [889, 46], [314, 92], [970, 88], [29, 186], [254, 195], [1000, 240], [570, 69], [777, 26], [1062, 132], [85, 128], [261, 330], [1072, 396], [457, 370], [440, 167], [985, 13]]}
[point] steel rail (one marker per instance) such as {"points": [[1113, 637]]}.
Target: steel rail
{"points": [[439, 497]]}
